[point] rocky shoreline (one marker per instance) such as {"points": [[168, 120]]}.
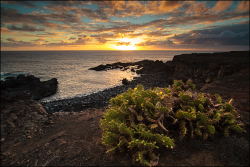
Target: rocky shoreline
{"points": [[25, 119], [203, 69]]}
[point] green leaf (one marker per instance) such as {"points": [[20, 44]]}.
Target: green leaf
{"points": [[228, 106], [140, 87], [211, 129], [203, 118], [218, 98], [152, 126], [201, 108], [185, 97], [139, 118], [236, 128]]}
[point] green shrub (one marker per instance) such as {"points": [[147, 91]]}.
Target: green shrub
{"points": [[143, 120]]}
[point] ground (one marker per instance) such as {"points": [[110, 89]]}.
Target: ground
{"points": [[75, 140]]}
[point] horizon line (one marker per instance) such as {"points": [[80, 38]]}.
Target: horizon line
{"points": [[128, 50]]}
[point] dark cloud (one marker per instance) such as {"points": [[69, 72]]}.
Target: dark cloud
{"points": [[15, 43], [159, 43], [12, 16], [47, 34], [123, 43], [22, 3], [11, 39], [71, 38], [39, 39], [101, 40], [81, 40], [80, 10], [159, 33], [25, 27], [237, 34]]}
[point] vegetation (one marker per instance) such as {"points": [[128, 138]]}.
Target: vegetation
{"points": [[143, 120]]}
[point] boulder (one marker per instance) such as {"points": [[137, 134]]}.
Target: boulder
{"points": [[125, 81]]}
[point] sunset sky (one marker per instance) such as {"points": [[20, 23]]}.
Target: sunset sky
{"points": [[125, 25]]}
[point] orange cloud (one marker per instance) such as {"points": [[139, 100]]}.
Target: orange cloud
{"points": [[119, 35], [6, 31], [221, 6], [243, 6], [169, 6], [196, 7]]}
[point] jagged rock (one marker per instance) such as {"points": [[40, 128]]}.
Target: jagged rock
{"points": [[125, 81], [142, 67], [100, 67], [23, 87], [204, 68]]}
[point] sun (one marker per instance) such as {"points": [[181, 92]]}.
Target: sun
{"points": [[126, 47]]}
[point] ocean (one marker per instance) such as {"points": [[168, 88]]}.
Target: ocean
{"points": [[71, 68]]}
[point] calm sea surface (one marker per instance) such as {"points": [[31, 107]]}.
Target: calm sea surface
{"points": [[71, 68]]}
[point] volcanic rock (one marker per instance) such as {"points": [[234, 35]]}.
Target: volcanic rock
{"points": [[23, 87]]}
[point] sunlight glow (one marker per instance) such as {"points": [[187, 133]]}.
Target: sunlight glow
{"points": [[124, 47], [126, 44]]}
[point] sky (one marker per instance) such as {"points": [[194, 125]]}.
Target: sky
{"points": [[125, 25]]}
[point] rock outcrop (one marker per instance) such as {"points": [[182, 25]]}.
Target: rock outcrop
{"points": [[206, 67], [140, 67], [26, 87]]}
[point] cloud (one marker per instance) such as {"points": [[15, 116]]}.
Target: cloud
{"points": [[39, 39], [223, 35], [25, 27], [243, 6], [11, 39], [22, 3], [51, 25], [137, 8], [221, 6], [12, 16], [158, 43], [101, 40], [160, 33], [123, 43], [169, 6], [14, 43], [96, 14], [71, 38], [196, 7]]}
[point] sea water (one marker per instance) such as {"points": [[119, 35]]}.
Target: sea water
{"points": [[71, 68]]}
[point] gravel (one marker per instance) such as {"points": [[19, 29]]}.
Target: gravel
{"points": [[101, 98]]}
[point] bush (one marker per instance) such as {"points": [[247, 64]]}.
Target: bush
{"points": [[142, 120]]}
